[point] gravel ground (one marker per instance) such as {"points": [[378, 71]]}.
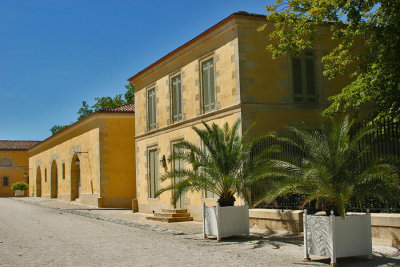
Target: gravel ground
{"points": [[49, 233]]}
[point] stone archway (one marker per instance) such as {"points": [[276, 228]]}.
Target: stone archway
{"points": [[75, 177], [54, 180], [38, 182]]}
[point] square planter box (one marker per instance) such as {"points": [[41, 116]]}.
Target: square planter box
{"points": [[225, 221], [19, 193], [335, 237]]}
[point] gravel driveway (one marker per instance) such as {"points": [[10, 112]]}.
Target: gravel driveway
{"points": [[32, 235]]}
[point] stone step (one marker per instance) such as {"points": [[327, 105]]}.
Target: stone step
{"points": [[174, 210], [171, 215], [168, 220]]}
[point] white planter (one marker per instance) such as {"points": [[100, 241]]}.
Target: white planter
{"points": [[225, 221], [335, 237], [19, 193]]}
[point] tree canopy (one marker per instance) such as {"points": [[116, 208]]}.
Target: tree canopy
{"points": [[367, 34], [102, 103]]}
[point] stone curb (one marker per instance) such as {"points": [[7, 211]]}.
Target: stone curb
{"points": [[108, 219]]}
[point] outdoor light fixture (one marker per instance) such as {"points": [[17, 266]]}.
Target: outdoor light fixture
{"points": [[26, 177], [77, 161], [164, 162]]}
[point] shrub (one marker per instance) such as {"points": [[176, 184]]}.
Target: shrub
{"points": [[20, 186]]}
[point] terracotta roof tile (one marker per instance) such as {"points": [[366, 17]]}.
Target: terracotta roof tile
{"points": [[17, 144], [127, 108]]}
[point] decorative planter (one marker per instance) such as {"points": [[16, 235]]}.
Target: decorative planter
{"points": [[19, 193], [225, 221], [335, 237]]}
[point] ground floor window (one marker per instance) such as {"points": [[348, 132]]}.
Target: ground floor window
{"points": [[5, 181], [153, 173]]}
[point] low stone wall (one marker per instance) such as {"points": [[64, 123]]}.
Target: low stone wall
{"points": [[277, 220], [385, 227]]}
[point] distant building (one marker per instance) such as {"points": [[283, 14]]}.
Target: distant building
{"points": [[221, 75], [91, 161], [13, 164]]}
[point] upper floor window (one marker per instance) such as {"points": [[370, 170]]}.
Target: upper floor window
{"points": [[208, 86], [176, 85], [5, 181], [304, 78], [151, 108], [5, 162]]}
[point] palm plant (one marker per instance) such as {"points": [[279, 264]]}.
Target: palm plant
{"points": [[224, 165], [329, 170]]}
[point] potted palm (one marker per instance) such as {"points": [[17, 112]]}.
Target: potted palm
{"points": [[20, 188], [329, 172], [224, 165]]}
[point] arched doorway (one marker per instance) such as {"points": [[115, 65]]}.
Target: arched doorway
{"points": [[75, 177], [38, 182], [54, 180]]}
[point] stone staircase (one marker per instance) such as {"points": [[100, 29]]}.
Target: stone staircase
{"points": [[171, 215]]}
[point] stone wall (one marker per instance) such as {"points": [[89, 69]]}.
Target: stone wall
{"points": [[385, 227]]}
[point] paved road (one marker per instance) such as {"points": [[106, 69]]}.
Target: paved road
{"points": [[37, 236]]}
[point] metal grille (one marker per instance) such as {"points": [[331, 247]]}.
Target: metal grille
{"points": [[383, 141]]}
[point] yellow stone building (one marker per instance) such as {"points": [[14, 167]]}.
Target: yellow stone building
{"points": [[91, 161], [13, 164], [219, 76]]}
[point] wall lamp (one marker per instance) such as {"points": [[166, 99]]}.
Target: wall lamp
{"points": [[163, 161]]}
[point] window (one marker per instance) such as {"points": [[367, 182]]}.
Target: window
{"points": [[304, 78], [5, 181], [151, 108], [176, 86], [206, 193], [45, 175], [153, 173], [5, 162], [207, 82], [63, 170]]}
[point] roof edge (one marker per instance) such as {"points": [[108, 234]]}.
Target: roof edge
{"points": [[198, 37]]}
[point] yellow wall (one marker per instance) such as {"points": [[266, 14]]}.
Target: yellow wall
{"points": [[163, 142], [16, 172], [249, 85], [95, 142], [118, 161]]}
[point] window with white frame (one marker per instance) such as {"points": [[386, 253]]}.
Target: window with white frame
{"points": [[176, 90], [208, 85], [151, 108], [304, 77]]}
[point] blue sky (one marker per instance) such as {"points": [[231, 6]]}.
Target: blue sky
{"points": [[54, 54]]}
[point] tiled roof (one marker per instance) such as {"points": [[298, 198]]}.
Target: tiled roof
{"points": [[127, 108], [17, 144]]}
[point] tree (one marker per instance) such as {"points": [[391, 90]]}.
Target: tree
{"points": [[84, 111], [102, 103], [130, 93], [56, 128], [367, 33], [330, 170], [108, 102], [224, 164]]}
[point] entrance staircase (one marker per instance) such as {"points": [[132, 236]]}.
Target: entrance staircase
{"points": [[171, 215]]}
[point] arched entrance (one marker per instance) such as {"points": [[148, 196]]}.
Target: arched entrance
{"points": [[54, 180], [38, 182], [75, 177]]}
